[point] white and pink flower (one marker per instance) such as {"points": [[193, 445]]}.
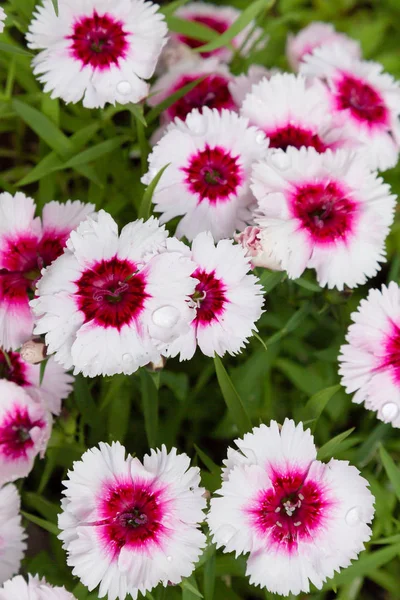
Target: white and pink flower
{"points": [[128, 525], [294, 112], [12, 534], [317, 35], [99, 50], [370, 361], [228, 300], [300, 519], [33, 589], [111, 303], [218, 18], [3, 17], [242, 84], [56, 384], [209, 158], [254, 241], [326, 212], [25, 428], [27, 244], [361, 98]]}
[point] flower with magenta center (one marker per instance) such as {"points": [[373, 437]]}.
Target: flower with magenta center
{"points": [[33, 589], [300, 520], [12, 534], [136, 524]]}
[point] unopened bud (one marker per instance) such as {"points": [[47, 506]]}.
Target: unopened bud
{"points": [[156, 366], [33, 352]]}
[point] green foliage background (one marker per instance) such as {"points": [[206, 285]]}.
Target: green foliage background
{"points": [[53, 151]]}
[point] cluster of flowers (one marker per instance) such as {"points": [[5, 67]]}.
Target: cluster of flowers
{"points": [[129, 525], [286, 164]]}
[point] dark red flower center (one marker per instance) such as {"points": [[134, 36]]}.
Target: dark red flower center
{"points": [[99, 41], [131, 514], [212, 92], [364, 103], [218, 25], [13, 368], [209, 296], [111, 293], [213, 174], [324, 210], [292, 135], [15, 432], [290, 510]]}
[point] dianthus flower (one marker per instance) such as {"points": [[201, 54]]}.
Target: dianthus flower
{"points": [[112, 302], [242, 84], [317, 35], [207, 180], [27, 244], [99, 50], [33, 589], [326, 212], [12, 534], [228, 299], [255, 243], [25, 427], [363, 99], [128, 525], [55, 386], [300, 519], [292, 112], [370, 361]]}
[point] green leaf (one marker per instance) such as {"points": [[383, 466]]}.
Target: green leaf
{"points": [[85, 402], [145, 205], [190, 589], [307, 285], [118, 418], [178, 383], [191, 29], [154, 113], [209, 578], [241, 22], [43, 506], [392, 471], [210, 464], [172, 7], [55, 4], [95, 152], [43, 127], [150, 406], [10, 48], [270, 279], [232, 399], [50, 527], [333, 446], [365, 564], [317, 403], [292, 324]]}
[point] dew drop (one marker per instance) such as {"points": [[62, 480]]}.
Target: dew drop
{"points": [[280, 160], [226, 533], [124, 88], [166, 316], [127, 358], [390, 410], [260, 138], [169, 558], [353, 516]]}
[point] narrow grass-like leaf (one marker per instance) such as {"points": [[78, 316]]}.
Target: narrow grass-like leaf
{"points": [[210, 464], [155, 112], [43, 127], [392, 470], [232, 399], [84, 401], [43, 506], [145, 205], [171, 8], [150, 406], [241, 22], [333, 446], [10, 48], [95, 152], [209, 578], [50, 527], [317, 403], [270, 279], [118, 418], [365, 564], [307, 285], [55, 4], [191, 29], [292, 324], [190, 590]]}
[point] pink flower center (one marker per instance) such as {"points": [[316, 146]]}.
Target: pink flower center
{"points": [[292, 135], [364, 103], [15, 432], [218, 25], [324, 211], [290, 510], [131, 514], [99, 41], [212, 91], [112, 293], [213, 174], [209, 296], [391, 358], [12, 368]]}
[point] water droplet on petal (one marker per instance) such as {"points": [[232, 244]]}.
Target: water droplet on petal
{"points": [[390, 411], [260, 138], [127, 358], [124, 88], [353, 516], [280, 160], [225, 533], [169, 558], [166, 316]]}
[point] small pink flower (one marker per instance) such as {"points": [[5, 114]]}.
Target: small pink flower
{"points": [[136, 524], [251, 239], [25, 427], [301, 520], [317, 35], [27, 244]]}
